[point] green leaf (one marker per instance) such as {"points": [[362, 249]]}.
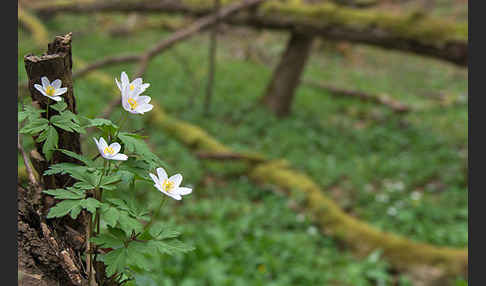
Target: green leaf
{"points": [[108, 182], [59, 106], [110, 214], [35, 126], [115, 260], [134, 144], [69, 193], [63, 208], [129, 224], [68, 121], [29, 112], [89, 176], [104, 125], [160, 232], [50, 143], [90, 204], [73, 207], [170, 247], [110, 239], [87, 161]]}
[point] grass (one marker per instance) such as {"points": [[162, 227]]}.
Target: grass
{"points": [[401, 173]]}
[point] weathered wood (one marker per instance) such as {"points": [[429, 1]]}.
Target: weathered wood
{"points": [[55, 64], [49, 252], [411, 32], [285, 79]]}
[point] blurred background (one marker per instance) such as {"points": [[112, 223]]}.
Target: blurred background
{"points": [[287, 118]]}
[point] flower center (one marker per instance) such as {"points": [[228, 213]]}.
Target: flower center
{"points": [[109, 150], [133, 103], [50, 90], [167, 185], [131, 86]]}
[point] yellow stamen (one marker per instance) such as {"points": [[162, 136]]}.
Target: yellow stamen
{"points": [[133, 103], [167, 185], [131, 87], [50, 90], [109, 150]]}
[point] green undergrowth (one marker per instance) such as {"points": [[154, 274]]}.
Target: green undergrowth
{"points": [[402, 173]]}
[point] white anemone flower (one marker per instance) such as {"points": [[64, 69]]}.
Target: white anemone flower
{"points": [[135, 103], [170, 186], [110, 152], [132, 100], [125, 82], [51, 90]]}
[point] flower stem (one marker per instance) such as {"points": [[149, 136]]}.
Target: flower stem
{"points": [[121, 123], [156, 214]]}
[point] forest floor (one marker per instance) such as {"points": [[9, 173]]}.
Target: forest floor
{"points": [[404, 173]]}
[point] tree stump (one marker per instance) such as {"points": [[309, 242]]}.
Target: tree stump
{"points": [[49, 251]]}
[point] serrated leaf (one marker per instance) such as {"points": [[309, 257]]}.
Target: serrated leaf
{"points": [[50, 144], [160, 232], [63, 208], [35, 126], [108, 182], [59, 106], [87, 161], [134, 144], [88, 175], [90, 204], [104, 125], [136, 251], [115, 260], [111, 239], [69, 193], [170, 247], [29, 112], [110, 215], [68, 121], [129, 224]]}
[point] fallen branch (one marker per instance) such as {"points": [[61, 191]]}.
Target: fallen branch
{"points": [[252, 158], [379, 99], [411, 32]]}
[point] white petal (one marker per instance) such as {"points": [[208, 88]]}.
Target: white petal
{"points": [[177, 197], [45, 82], [56, 98], [39, 88], [176, 179], [144, 108], [184, 191], [145, 86], [124, 79], [137, 81], [60, 91], [56, 84], [162, 174], [144, 99], [120, 157], [155, 179], [118, 84], [103, 143], [116, 147]]}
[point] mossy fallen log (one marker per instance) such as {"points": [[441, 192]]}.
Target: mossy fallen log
{"points": [[403, 253], [412, 31]]}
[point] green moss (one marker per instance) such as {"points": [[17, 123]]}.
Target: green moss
{"points": [[411, 26]]}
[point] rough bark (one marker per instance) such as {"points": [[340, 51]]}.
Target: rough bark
{"points": [[411, 32], [55, 64], [285, 79], [49, 251]]}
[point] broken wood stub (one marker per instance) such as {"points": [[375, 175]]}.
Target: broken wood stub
{"points": [[285, 79], [55, 64]]}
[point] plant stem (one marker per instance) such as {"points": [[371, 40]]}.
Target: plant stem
{"points": [[121, 123], [154, 217]]}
